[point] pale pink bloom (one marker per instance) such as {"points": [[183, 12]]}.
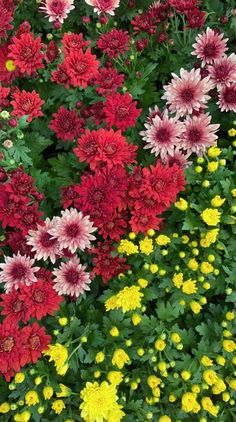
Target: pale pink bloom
{"points": [[42, 242], [209, 46], [153, 112], [223, 71], [162, 135], [71, 279], [227, 98], [187, 93], [72, 230], [179, 157], [17, 270], [104, 6], [57, 10], [198, 133]]}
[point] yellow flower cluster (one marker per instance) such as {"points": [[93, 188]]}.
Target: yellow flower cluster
{"points": [[188, 287], [59, 355], [127, 247], [128, 299], [209, 238], [211, 217]]}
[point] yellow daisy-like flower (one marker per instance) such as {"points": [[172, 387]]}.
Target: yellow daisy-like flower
{"points": [[217, 201], [229, 346], [48, 392], [31, 398], [214, 152], [22, 417], [195, 306], [189, 287], [206, 268], [153, 381], [182, 205], [209, 238], [146, 246], [206, 361], [219, 387], [100, 403], [111, 303], [127, 247], [128, 299], [59, 355], [120, 358], [209, 406], [4, 407], [115, 377], [189, 403], [211, 216], [58, 406], [210, 376], [178, 280], [162, 240]]}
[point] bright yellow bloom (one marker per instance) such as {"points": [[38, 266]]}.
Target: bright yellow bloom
{"points": [[153, 381], [127, 247], [211, 216], [209, 406], [182, 205], [59, 355], [226, 396], [195, 307], [114, 332], [189, 287], [4, 407], [162, 240], [196, 388], [159, 344], [65, 391], [219, 387], [142, 283], [189, 403], [22, 417], [212, 166], [136, 319], [229, 346], [48, 392], [120, 358], [230, 316], [31, 398], [232, 383], [193, 264], [214, 152], [206, 268], [175, 337], [58, 406], [128, 299], [210, 376], [209, 238], [217, 201], [178, 279], [146, 246], [164, 418], [154, 268], [99, 358], [220, 360], [10, 66], [232, 132], [19, 377], [151, 232], [186, 375], [111, 303], [206, 361], [63, 321], [115, 377], [100, 403]]}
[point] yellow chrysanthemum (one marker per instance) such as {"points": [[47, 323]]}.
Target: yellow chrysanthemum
{"points": [[115, 377], [146, 246], [48, 392], [58, 406], [59, 355], [22, 417], [4, 407], [210, 376], [162, 240], [178, 279], [189, 287], [128, 299], [217, 201], [100, 403], [182, 205], [206, 268], [211, 216], [209, 406], [195, 306], [120, 358], [189, 403], [127, 247], [31, 398], [206, 361]]}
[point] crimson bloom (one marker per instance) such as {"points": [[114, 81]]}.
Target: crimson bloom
{"points": [[27, 103], [66, 124], [4, 92], [40, 299], [73, 43], [13, 307], [6, 17], [108, 80], [34, 341], [10, 349], [81, 67], [114, 42], [121, 111], [60, 76], [25, 51], [195, 18]]}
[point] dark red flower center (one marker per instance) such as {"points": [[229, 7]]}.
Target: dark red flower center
{"points": [[230, 96], [81, 67], [90, 147], [222, 71], [7, 344], [194, 135], [111, 149], [26, 105], [72, 276], [209, 50], [27, 53], [46, 240], [17, 306], [159, 185], [18, 271], [34, 342], [144, 219], [122, 112], [72, 230], [38, 296], [163, 135], [187, 95], [66, 123], [97, 196]]}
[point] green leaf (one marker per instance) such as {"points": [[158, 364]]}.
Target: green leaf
{"points": [[166, 312], [20, 153]]}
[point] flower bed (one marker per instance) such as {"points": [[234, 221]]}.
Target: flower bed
{"points": [[117, 211]]}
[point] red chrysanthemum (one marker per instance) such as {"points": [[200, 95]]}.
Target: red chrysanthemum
{"points": [[60, 76], [68, 195], [183, 6], [142, 223], [73, 43], [81, 67], [66, 124], [114, 42], [9, 208], [52, 52], [106, 265], [34, 341], [17, 243], [27, 103], [6, 17], [22, 184], [44, 275], [8, 70], [4, 92], [108, 80], [114, 227], [10, 349], [144, 23], [105, 147], [40, 299], [96, 112], [195, 18], [121, 111], [13, 307], [24, 28], [30, 216], [25, 51]]}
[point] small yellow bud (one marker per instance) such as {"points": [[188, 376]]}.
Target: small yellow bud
{"points": [[63, 321]]}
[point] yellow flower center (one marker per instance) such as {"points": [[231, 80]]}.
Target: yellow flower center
{"points": [[10, 66]]}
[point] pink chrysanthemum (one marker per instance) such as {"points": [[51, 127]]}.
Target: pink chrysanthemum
{"points": [[187, 93], [57, 10], [162, 134], [223, 71], [42, 242], [104, 6], [227, 98], [179, 157], [72, 230], [17, 270], [198, 133], [71, 278], [153, 112], [210, 46]]}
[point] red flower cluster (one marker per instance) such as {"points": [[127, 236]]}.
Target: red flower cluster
{"points": [[4, 92], [6, 16], [114, 43], [67, 124]]}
